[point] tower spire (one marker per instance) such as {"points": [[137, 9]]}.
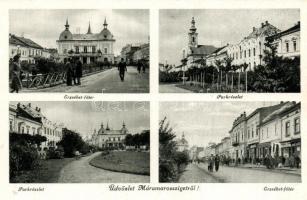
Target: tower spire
{"points": [[89, 31], [193, 35], [105, 24], [66, 25], [193, 28]]}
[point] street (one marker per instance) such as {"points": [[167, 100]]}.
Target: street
{"points": [[171, 88], [196, 173], [80, 171], [106, 82]]}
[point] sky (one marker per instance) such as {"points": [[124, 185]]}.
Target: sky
{"points": [[215, 27], [204, 122], [85, 116], [44, 26]]}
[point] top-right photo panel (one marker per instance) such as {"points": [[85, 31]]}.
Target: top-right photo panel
{"points": [[229, 51]]}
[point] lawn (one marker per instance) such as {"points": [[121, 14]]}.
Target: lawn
{"points": [[48, 172], [124, 161]]}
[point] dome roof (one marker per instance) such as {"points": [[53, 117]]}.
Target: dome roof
{"points": [[66, 35], [105, 34]]}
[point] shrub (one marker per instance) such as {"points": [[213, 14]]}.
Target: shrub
{"points": [[22, 157], [55, 153]]}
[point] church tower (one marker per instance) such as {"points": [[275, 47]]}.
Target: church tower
{"points": [[193, 35]]}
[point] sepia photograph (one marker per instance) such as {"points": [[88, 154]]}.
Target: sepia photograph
{"points": [[229, 51], [230, 142], [79, 142], [86, 51]]}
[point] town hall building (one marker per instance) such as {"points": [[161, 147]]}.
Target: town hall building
{"points": [[89, 47], [109, 138]]}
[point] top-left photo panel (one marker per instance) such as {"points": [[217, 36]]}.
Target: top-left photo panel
{"points": [[79, 51]]}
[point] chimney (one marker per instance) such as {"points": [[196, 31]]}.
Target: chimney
{"points": [[18, 105], [266, 23], [281, 102], [262, 25], [254, 29], [299, 23], [29, 105], [38, 109]]}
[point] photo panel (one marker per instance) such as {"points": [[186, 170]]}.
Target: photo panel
{"points": [[79, 51], [229, 51], [230, 142], [79, 142]]}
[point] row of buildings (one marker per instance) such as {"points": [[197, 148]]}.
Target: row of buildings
{"points": [[249, 51], [26, 119], [88, 47], [273, 130], [28, 49], [133, 53]]}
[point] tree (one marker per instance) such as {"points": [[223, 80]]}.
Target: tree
{"points": [[71, 142], [278, 74], [228, 67]]}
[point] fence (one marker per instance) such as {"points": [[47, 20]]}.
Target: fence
{"points": [[52, 79]]}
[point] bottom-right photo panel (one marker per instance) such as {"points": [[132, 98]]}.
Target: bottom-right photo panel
{"points": [[230, 142]]}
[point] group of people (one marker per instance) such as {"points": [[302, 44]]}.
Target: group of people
{"points": [[73, 71], [213, 162], [140, 66]]}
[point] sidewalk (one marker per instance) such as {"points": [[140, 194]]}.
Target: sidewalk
{"points": [[262, 167]]}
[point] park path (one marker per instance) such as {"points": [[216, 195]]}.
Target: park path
{"points": [[171, 88], [80, 171], [107, 81]]}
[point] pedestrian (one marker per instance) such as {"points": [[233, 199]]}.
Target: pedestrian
{"points": [[73, 65], [217, 162], [139, 66], [211, 163], [122, 68], [69, 71], [143, 67], [297, 161], [78, 71], [15, 73]]}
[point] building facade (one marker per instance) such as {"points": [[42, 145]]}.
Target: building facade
{"points": [[89, 47], [25, 119], [182, 144], [26, 48], [194, 51], [287, 42], [291, 132], [108, 138], [238, 139]]}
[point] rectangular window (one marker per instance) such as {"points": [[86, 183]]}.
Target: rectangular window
{"points": [[294, 45], [244, 53], [11, 125], [296, 125], [93, 49], [287, 47], [287, 129], [77, 49], [85, 49], [254, 51], [105, 50], [249, 53]]}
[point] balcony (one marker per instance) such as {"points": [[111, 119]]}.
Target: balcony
{"points": [[235, 143]]}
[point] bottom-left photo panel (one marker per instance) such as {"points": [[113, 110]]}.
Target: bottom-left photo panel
{"points": [[79, 142]]}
